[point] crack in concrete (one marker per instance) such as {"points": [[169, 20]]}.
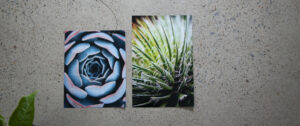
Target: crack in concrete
{"points": [[30, 18], [111, 10]]}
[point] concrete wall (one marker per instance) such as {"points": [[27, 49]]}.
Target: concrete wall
{"points": [[247, 69]]}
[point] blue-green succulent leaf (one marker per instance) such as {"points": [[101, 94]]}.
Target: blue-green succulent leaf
{"points": [[74, 74], [75, 91], [100, 91], [90, 51], [115, 96], [75, 50], [98, 35], [109, 57], [115, 74], [109, 47], [86, 81]]}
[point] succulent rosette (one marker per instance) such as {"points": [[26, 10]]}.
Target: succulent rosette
{"points": [[94, 72]]}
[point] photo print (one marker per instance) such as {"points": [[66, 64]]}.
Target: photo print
{"points": [[94, 69], [162, 61]]}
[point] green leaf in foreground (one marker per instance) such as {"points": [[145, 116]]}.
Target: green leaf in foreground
{"points": [[2, 122], [24, 113]]}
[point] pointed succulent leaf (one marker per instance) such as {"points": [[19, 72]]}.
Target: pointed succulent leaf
{"points": [[109, 47], [69, 45], [74, 90], [109, 57], [124, 71], [87, 81], [72, 35], [123, 54], [75, 50], [115, 74], [88, 52], [115, 96], [101, 35], [100, 91], [120, 37], [73, 102], [74, 74]]}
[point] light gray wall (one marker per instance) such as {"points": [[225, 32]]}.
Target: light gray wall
{"points": [[246, 54]]}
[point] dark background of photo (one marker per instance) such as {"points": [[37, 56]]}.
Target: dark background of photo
{"points": [[246, 60]]}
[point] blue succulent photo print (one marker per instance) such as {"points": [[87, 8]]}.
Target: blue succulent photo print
{"points": [[94, 69]]}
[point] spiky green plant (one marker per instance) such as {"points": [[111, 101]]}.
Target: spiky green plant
{"points": [[162, 61]]}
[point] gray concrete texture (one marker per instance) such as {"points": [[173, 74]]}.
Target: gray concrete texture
{"points": [[246, 60]]}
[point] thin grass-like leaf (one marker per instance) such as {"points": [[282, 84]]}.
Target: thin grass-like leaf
{"points": [[168, 43], [144, 54], [144, 69], [148, 86]]}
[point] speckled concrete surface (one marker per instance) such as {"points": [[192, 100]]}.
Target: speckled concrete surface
{"points": [[247, 54]]}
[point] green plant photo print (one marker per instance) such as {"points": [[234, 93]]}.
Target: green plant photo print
{"points": [[162, 61]]}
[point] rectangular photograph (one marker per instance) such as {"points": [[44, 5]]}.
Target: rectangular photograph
{"points": [[162, 61], [94, 69]]}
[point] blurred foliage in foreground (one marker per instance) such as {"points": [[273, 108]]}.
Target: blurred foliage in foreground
{"points": [[23, 115]]}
